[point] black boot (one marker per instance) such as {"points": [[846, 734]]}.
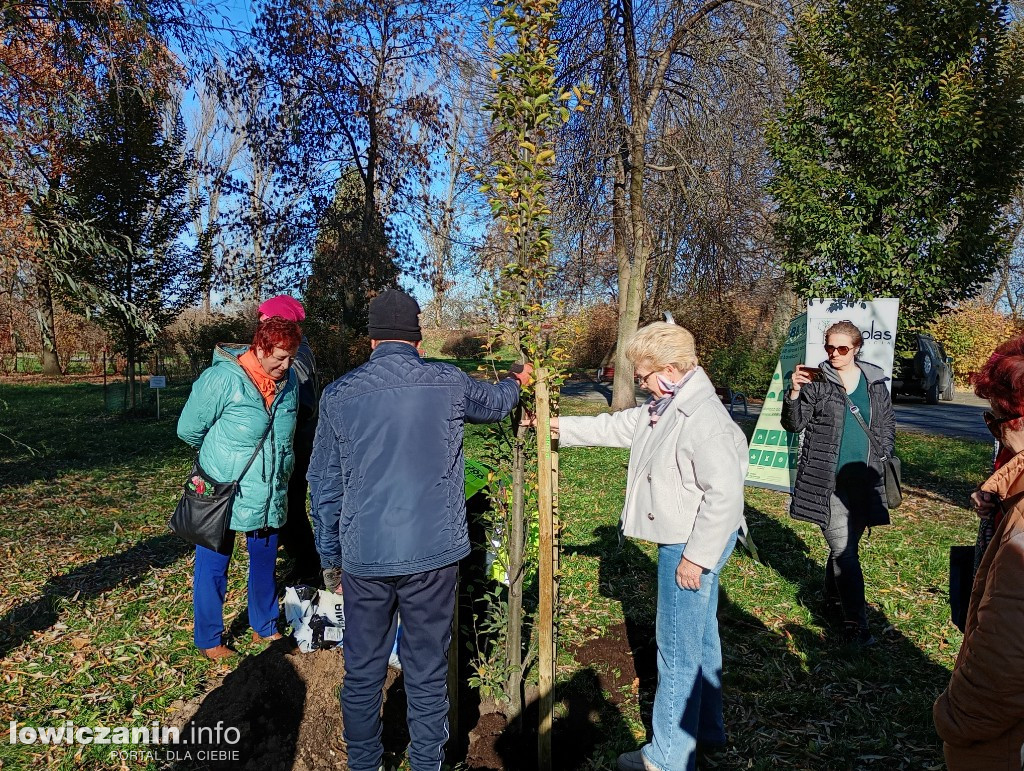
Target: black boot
{"points": [[855, 634]]}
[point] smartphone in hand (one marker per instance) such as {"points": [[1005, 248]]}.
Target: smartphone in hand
{"points": [[814, 373]]}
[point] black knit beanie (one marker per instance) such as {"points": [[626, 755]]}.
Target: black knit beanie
{"points": [[394, 315]]}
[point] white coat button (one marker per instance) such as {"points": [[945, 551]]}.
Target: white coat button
{"points": [[650, 516], [648, 477]]}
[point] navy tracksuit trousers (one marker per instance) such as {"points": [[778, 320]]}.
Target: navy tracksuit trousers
{"points": [[426, 602]]}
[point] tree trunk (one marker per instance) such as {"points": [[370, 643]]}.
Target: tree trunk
{"points": [[632, 270], [516, 574], [206, 280], [131, 372], [47, 329]]}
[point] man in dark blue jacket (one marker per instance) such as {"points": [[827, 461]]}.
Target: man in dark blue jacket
{"points": [[388, 501]]}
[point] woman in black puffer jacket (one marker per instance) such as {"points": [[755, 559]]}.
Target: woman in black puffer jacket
{"points": [[840, 482]]}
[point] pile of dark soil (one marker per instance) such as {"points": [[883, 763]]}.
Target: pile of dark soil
{"points": [[284, 705]]}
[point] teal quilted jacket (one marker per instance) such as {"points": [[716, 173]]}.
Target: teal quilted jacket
{"points": [[225, 416]]}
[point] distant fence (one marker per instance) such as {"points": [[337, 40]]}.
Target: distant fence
{"points": [[117, 390]]}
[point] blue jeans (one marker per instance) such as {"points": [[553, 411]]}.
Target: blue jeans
{"points": [[210, 585], [688, 702]]}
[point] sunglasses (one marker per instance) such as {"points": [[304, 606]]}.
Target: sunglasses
{"points": [[994, 423], [641, 380], [842, 350]]}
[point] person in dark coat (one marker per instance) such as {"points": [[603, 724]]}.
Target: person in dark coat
{"points": [[840, 481], [387, 480], [296, 534]]}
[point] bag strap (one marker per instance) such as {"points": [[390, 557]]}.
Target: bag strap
{"points": [[263, 439], [855, 410]]}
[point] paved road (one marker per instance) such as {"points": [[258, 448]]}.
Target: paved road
{"points": [[960, 418]]}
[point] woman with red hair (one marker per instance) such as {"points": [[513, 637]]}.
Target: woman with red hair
{"points": [[980, 715], [240, 417]]}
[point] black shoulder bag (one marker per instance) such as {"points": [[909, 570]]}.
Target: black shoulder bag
{"points": [[890, 464], [203, 515]]}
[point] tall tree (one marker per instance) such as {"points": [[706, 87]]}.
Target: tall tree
{"points": [[526, 107], [640, 58], [897, 150], [129, 179], [450, 208], [54, 55], [351, 89], [216, 138], [347, 270]]}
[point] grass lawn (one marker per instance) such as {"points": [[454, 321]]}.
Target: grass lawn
{"points": [[95, 616]]}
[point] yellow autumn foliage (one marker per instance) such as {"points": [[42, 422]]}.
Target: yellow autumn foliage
{"points": [[970, 332]]}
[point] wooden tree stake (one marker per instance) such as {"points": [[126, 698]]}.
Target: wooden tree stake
{"points": [[546, 611]]}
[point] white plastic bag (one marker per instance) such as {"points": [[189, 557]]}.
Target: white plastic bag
{"points": [[317, 617]]}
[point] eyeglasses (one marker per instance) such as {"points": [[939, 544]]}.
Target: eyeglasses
{"points": [[842, 350], [995, 423], [641, 380]]}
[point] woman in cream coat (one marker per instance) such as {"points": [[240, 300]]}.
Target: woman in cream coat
{"points": [[684, 492]]}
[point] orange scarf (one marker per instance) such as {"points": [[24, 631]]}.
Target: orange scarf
{"points": [[266, 384]]}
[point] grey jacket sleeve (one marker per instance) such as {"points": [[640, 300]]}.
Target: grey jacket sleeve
{"points": [[610, 429], [888, 422]]}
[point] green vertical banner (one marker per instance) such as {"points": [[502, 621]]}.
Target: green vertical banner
{"points": [[774, 452]]}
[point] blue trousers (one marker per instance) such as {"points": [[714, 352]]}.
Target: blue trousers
{"points": [[688, 702], [210, 585], [427, 604]]}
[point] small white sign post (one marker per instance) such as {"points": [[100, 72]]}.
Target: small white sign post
{"points": [[158, 382]]}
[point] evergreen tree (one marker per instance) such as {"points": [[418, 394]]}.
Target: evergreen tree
{"points": [[897, 149], [128, 179], [352, 262]]}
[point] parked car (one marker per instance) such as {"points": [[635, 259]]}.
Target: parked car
{"points": [[606, 373], [922, 368]]}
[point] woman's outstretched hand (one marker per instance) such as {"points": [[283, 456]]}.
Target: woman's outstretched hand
{"points": [[688, 575], [529, 420]]}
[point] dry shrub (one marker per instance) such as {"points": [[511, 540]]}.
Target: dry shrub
{"points": [[195, 333], [588, 335], [77, 335], [465, 344], [970, 332], [735, 342], [715, 324]]}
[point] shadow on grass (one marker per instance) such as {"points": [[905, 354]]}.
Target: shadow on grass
{"points": [[945, 470], [882, 694], [586, 721], [127, 568], [795, 697], [623, 568], [264, 701]]}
